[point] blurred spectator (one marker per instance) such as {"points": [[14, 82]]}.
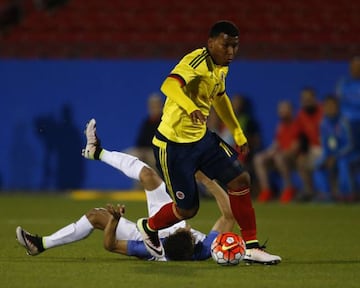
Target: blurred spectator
{"points": [[280, 156], [143, 148], [244, 113], [334, 166], [308, 123], [214, 123], [348, 92]]}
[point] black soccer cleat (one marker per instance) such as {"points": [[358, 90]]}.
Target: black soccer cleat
{"points": [[32, 243]]}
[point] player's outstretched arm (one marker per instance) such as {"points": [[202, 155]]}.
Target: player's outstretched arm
{"points": [[226, 222], [110, 242]]}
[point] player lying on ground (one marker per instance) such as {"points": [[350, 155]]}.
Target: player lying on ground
{"points": [[121, 235], [93, 150]]}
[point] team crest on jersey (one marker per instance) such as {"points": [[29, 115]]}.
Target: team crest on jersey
{"points": [[180, 195]]}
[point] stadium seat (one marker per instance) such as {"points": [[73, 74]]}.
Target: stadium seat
{"points": [[275, 24]]}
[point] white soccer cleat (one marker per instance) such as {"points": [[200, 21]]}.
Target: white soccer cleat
{"points": [[92, 141], [151, 240], [258, 255]]}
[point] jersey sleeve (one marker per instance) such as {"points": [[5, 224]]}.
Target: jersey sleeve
{"points": [[190, 67], [203, 248]]}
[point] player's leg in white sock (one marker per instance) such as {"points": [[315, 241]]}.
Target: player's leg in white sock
{"points": [[129, 165], [157, 198], [70, 233]]}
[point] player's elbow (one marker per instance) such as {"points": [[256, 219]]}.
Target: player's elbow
{"points": [[165, 87], [169, 85], [109, 245]]}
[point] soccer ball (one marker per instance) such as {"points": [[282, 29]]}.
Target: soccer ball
{"points": [[228, 249]]}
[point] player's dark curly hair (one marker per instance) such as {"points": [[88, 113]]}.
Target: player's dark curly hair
{"points": [[179, 246], [224, 26]]}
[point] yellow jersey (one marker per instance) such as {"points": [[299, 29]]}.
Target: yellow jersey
{"points": [[202, 80]]}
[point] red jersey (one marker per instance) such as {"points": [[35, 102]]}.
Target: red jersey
{"points": [[309, 125], [286, 134]]}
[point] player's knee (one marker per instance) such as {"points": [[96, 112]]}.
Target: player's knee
{"points": [[149, 178], [95, 217], [146, 174], [91, 216], [188, 213], [240, 182]]}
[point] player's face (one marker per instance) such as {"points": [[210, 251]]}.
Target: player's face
{"points": [[223, 48]]}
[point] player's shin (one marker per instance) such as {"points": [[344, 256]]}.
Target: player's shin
{"points": [[243, 211], [165, 217], [68, 234], [129, 165]]}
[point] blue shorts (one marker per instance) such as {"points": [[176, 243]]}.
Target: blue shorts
{"points": [[178, 162]]}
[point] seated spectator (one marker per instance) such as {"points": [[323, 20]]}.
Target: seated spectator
{"points": [[280, 155], [214, 123], [333, 175], [243, 111], [308, 124], [348, 93], [143, 147]]}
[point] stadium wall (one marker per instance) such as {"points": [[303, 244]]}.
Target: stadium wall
{"points": [[46, 103]]}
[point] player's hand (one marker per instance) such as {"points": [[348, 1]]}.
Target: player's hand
{"points": [[197, 117], [243, 149], [117, 212]]}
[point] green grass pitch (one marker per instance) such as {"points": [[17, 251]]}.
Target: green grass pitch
{"points": [[319, 245]]}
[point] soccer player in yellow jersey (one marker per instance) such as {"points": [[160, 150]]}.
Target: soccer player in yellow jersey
{"points": [[184, 145]]}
